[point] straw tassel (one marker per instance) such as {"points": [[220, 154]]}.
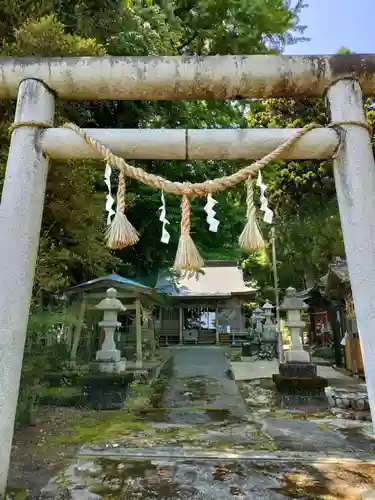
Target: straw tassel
{"points": [[251, 238], [187, 256], [121, 234]]}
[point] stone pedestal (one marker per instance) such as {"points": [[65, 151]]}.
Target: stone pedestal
{"points": [[109, 366], [105, 355], [106, 391], [298, 369], [299, 386]]}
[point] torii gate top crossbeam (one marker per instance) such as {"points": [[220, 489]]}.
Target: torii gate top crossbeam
{"points": [[194, 78]]}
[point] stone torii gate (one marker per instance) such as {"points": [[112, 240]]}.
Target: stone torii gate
{"points": [[36, 83]]}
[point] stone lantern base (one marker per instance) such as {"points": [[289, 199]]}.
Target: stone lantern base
{"points": [[299, 386]]}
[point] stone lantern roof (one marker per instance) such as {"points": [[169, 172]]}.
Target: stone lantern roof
{"points": [[292, 302]]}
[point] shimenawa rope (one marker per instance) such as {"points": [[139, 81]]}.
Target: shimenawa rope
{"points": [[121, 233]]}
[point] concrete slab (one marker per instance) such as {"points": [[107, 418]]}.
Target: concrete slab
{"points": [[318, 436], [249, 370]]}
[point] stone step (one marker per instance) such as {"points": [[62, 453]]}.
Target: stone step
{"points": [[187, 453]]}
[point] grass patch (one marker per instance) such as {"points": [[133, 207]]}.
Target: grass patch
{"points": [[139, 397]]}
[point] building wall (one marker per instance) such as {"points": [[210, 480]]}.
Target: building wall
{"points": [[170, 320]]}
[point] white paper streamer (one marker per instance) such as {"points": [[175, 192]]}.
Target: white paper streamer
{"points": [[209, 209], [268, 214], [109, 199], [165, 236]]}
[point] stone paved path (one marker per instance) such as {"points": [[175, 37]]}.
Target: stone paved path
{"points": [[204, 443], [200, 389]]}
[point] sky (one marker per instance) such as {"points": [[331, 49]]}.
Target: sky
{"points": [[332, 24]]}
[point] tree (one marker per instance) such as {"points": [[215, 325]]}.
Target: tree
{"points": [[72, 247]]}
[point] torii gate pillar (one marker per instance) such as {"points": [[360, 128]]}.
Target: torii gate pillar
{"points": [[354, 171], [20, 221]]}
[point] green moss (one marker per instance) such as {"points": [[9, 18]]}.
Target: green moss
{"points": [[60, 391], [98, 427], [179, 431], [100, 489], [16, 494]]}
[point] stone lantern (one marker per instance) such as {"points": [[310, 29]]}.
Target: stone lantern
{"points": [[293, 306], [268, 308], [108, 356], [297, 383]]}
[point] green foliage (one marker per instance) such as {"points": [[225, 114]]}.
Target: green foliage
{"points": [[72, 247], [40, 359], [302, 195]]}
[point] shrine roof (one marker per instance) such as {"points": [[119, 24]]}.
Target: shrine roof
{"points": [[111, 280], [217, 279]]}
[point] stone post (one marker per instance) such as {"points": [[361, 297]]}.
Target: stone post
{"points": [[293, 306], [138, 332], [181, 324], [257, 318], [108, 356], [20, 222]]}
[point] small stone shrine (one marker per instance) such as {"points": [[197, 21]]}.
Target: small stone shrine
{"points": [[297, 382]]}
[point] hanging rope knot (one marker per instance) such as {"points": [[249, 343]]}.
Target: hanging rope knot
{"points": [[251, 238], [185, 215], [121, 190], [187, 256], [121, 234]]}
